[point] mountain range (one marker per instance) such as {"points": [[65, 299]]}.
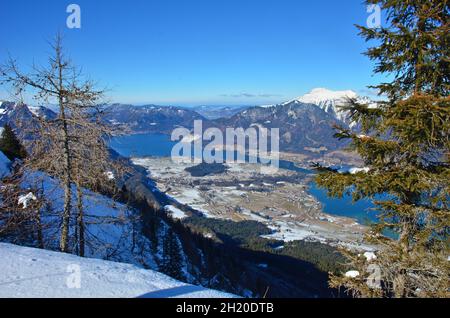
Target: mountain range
{"points": [[150, 118], [306, 123], [303, 127]]}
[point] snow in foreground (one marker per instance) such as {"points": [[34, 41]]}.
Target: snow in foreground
{"points": [[27, 272]]}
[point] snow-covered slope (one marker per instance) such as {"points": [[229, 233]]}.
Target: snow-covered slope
{"points": [[43, 112], [112, 229], [27, 272]]}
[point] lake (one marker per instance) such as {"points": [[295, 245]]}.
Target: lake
{"points": [[159, 145]]}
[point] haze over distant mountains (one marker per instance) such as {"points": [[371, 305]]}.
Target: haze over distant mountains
{"points": [[216, 112], [306, 123]]}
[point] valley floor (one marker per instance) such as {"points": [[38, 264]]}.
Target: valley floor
{"points": [[276, 198]]}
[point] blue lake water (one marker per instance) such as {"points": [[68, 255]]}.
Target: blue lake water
{"points": [[159, 145], [144, 145], [360, 210]]}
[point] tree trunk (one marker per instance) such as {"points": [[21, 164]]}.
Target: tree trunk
{"points": [[80, 221], [67, 161], [66, 215], [67, 185], [40, 236]]}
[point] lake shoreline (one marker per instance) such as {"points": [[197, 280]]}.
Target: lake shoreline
{"points": [[333, 217]]}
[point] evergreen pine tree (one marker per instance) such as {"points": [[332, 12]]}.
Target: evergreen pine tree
{"points": [[10, 144], [172, 260], [152, 229], [405, 143]]}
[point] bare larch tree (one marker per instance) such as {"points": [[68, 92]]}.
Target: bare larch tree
{"points": [[72, 146]]}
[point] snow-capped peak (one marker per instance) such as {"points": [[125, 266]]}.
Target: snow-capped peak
{"points": [[3, 107], [35, 110], [330, 101], [323, 96]]}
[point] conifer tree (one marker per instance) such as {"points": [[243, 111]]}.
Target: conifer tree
{"points": [[172, 260], [10, 145], [405, 143]]}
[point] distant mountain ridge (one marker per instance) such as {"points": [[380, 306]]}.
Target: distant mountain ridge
{"points": [[304, 128], [150, 118], [305, 123], [216, 112], [43, 112], [19, 116]]}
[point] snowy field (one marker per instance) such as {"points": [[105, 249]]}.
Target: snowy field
{"points": [[28, 273]]}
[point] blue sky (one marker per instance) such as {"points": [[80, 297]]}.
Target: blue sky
{"points": [[191, 52]]}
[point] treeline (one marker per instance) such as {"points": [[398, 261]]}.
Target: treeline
{"points": [[239, 233], [324, 257], [245, 241], [247, 234]]}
